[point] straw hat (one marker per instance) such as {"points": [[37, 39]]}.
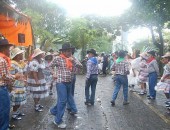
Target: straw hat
{"points": [[16, 51], [166, 55], [144, 55], [37, 52]]}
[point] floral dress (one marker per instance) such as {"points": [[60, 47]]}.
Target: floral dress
{"points": [[18, 94], [48, 74], [37, 90]]}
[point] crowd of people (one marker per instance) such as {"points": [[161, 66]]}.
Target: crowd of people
{"points": [[44, 70]]}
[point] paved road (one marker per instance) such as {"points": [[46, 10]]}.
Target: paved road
{"points": [[138, 115]]}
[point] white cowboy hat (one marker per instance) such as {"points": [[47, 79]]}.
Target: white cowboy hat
{"points": [[166, 55], [16, 51], [37, 52]]}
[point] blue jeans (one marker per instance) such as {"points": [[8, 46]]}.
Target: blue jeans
{"points": [[64, 96], [120, 80], [152, 83], [91, 82], [4, 108]]}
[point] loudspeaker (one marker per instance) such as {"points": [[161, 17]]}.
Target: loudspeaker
{"points": [[21, 38]]}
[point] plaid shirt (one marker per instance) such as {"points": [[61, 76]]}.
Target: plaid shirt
{"points": [[76, 65], [3, 71], [121, 68], [62, 72]]}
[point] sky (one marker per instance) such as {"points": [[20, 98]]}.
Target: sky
{"points": [[76, 8]]}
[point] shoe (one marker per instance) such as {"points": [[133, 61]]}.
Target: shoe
{"points": [[151, 98], [125, 103], [69, 110], [141, 93], [167, 102], [112, 103], [87, 103], [41, 106], [38, 109], [50, 93], [73, 113], [16, 117], [21, 114], [61, 125]]}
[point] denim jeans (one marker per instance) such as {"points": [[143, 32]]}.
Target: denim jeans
{"points": [[91, 82], [152, 83], [120, 80], [64, 96], [4, 108]]}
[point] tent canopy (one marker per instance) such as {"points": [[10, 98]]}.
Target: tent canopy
{"points": [[15, 26]]}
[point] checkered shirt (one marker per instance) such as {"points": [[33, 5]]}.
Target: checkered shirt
{"points": [[121, 68], [3, 71], [62, 72], [91, 69]]}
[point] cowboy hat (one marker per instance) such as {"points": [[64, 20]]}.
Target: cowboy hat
{"points": [[66, 46], [48, 54], [4, 42], [16, 51], [151, 53], [92, 51], [37, 52], [166, 55]]}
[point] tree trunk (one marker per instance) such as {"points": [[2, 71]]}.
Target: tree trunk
{"points": [[161, 41]]}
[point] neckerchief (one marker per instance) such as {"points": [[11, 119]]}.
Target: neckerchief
{"points": [[150, 59], [119, 60], [69, 63], [7, 59]]}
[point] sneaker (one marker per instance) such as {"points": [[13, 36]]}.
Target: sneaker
{"points": [[167, 102], [38, 109], [61, 125], [21, 114], [41, 106], [125, 103], [151, 98], [16, 117], [112, 103], [73, 113], [141, 93], [50, 93], [87, 103]]}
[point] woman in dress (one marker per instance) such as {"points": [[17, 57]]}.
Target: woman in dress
{"points": [[18, 94], [36, 80], [48, 72]]}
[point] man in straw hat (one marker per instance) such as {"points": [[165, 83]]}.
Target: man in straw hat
{"points": [[64, 65], [5, 79], [91, 77]]}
